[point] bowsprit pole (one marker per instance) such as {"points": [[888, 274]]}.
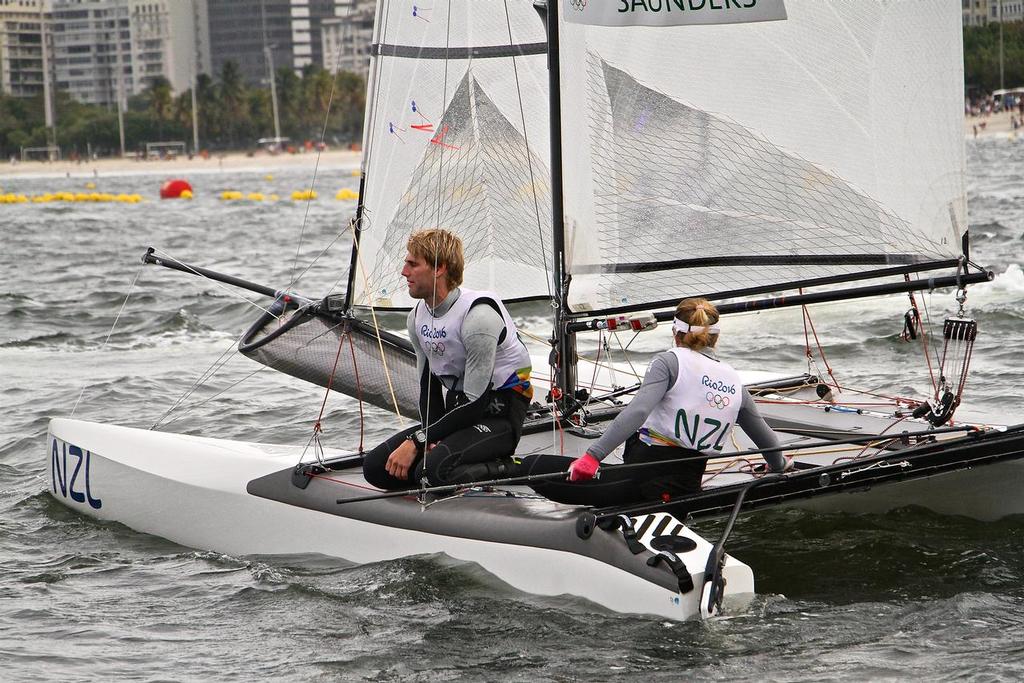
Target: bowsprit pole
{"points": [[151, 258]]}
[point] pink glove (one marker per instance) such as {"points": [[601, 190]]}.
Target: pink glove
{"points": [[583, 468]]}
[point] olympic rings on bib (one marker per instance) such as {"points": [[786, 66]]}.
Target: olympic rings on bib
{"points": [[717, 400]]}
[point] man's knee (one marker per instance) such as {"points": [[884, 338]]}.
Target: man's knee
{"points": [[373, 470], [375, 462]]}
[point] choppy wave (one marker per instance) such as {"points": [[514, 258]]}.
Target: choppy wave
{"points": [[904, 595]]}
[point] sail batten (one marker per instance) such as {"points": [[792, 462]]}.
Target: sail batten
{"points": [[754, 260], [478, 52]]}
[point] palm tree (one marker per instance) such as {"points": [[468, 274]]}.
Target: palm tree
{"points": [[159, 96], [233, 100]]}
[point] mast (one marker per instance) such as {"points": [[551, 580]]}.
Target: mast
{"points": [[357, 222], [563, 341]]}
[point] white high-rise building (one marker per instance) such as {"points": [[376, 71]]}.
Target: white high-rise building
{"points": [[107, 50], [346, 38]]}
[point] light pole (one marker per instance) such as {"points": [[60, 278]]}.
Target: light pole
{"points": [[1002, 86], [51, 129], [273, 81], [195, 70], [273, 93]]}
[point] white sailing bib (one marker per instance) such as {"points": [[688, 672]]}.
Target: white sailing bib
{"points": [[700, 409], [441, 341]]}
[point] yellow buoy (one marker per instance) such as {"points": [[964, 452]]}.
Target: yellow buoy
{"points": [[90, 185], [347, 194], [268, 177], [185, 194], [255, 196], [304, 195]]}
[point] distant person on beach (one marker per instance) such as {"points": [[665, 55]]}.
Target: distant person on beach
{"points": [[474, 377], [683, 413]]}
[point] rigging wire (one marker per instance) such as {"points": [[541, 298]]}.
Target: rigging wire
{"points": [[231, 292], [529, 159], [117, 317], [934, 347], [204, 377], [316, 167], [207, 400], [377, 330], [440, 197]]}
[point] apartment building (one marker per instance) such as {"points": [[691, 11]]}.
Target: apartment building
{"points": [[107, 50], [22, 58], [981, 12], [346, 39], [245, 31]]}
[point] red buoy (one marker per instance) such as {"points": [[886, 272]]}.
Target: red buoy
{"points": [[172, 189]]}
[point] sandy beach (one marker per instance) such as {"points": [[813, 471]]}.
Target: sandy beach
{"points": [[181, 165], [998, 124], [991, 125]]}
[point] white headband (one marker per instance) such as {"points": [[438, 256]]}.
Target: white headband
{"points": [[679, 326]]}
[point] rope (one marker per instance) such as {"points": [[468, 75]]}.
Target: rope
{"points": [[318, 425], [924, 338], [821, 350], [376, 327]]}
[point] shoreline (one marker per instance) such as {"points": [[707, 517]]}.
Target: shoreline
{"points": [[234, 161], [999, 124], [992, 125]]}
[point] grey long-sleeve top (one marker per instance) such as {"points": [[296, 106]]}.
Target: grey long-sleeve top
{"points": [[661, 375]]}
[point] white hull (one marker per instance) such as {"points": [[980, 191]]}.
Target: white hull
{"points": [[192, 491]]}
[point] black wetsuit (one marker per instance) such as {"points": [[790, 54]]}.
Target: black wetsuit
{"points": [[472, 437]]}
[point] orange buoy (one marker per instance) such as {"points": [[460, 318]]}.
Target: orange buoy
{"points": [[172, 189]]}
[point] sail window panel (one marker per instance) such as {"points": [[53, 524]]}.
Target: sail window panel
{"points": [[767, 139], [460, 143]]}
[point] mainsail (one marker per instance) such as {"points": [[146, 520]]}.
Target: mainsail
{"points": [[457, 137], [707, 159]]}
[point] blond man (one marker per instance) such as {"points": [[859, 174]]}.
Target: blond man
{"points": [[474, 376]]}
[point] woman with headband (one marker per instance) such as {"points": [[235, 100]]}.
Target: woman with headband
{"points": [[685, 410]]}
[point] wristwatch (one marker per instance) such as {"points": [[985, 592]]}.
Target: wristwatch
{"points": [[419, 437]]}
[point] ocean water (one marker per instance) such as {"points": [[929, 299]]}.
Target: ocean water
{"points": [[909, 594]]}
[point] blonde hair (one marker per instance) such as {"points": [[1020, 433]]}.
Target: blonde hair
{"points": [[698, 313], [439, 248]]}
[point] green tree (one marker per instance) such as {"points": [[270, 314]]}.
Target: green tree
{"points": [[981, 57], [232, 101], [160, 102]]}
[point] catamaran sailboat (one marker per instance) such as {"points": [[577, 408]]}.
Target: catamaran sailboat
{"points": [[768, 154]]}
